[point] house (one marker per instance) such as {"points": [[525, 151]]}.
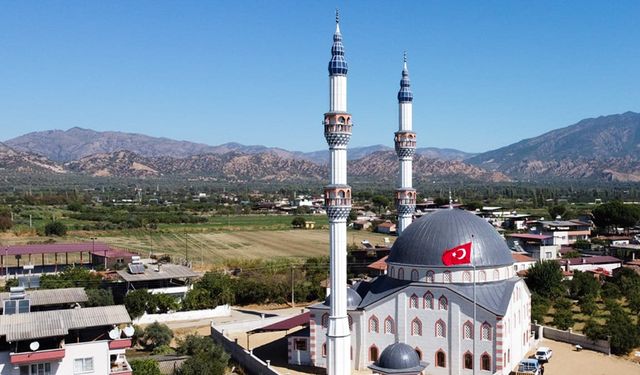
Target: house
{"points": [[522, 262], [538, 246], [564, 232], [594, 263], [62, 340], [172, 279], [361, 224], [387, 227]]}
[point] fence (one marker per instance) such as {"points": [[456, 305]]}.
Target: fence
{"points": [[602, 346], [246, 359]]}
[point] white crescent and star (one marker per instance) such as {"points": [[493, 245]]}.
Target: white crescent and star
{"points": [[464, 253]]}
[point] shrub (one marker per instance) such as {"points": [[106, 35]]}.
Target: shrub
{"points": [[145, 367], [55, 228], [157, 334]]}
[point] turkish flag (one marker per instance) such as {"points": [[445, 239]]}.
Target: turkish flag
{"points": [[460, 254]]}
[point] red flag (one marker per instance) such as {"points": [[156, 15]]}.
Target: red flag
{"points": [[460, 254]]}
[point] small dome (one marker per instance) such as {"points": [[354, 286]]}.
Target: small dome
{"points": [[398, 357], [426, 239], [353, 299]]}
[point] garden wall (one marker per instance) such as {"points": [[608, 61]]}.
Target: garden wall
{"points": [[246, 359]]}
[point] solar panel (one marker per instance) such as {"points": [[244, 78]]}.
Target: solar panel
{"points": [[136, 268], [29, 282]]}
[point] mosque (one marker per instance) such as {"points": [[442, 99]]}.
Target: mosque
{"points": [[450, 303]]}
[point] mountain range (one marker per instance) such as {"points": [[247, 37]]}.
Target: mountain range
{"points": [[603, 148]]}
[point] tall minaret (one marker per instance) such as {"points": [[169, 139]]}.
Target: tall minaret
{"points": [[337, 198], [405, 142]]}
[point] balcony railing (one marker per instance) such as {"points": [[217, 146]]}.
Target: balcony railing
{"points": [[37, 356], [121, 366], [120, 344]]}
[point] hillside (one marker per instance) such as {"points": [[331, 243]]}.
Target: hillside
{"points": [[12, 161], [607, 147]]}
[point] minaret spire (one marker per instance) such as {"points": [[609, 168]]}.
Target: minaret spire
{"points": [[405, 142], [337, 200]]}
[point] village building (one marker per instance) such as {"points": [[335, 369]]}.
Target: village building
{"points": [[171, 279], [563, 232], [538, 246]]}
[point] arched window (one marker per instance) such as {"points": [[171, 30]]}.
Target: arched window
{"points": [[350, 321], [485, 332], [374, 324], [430, 276], [392, 272], [467, 331], [485, 362], [340, 120], [414, 275], [441, 359], [443, 303], [325, 320], [446, 277], [468, 361], [428, 300], [466, 277], [482, 276], [413, 302], [419, 353], [373, 353], [324, 350], [388, 325], [496, 275], [416, 327], [441, 329], [401, 273]]}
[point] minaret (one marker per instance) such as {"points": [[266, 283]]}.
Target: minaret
{"points": [[337, 198], [405, 142]]}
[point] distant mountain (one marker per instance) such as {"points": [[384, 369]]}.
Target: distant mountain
{"points": [[12, 161], [604, 148], [355, 153], [443, 153]]}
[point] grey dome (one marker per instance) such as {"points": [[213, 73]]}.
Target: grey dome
{"points": [[353, 299], [424, 241], [398, 357]]}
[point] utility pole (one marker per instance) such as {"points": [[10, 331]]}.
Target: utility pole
{"points": [[293, 303], [186, 245]]}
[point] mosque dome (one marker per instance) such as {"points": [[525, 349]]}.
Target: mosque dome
{"points": [[353, 299], [398, 358], [424, 241]]}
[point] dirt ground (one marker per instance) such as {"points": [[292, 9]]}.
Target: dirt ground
{"points": [[566, 360]]}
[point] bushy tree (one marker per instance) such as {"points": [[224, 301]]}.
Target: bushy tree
{"points": [[539, 308], [164, 303], [145, 367], [157, 334], [5, 219], [588, 305], [627, 280], [298, 222], [583, 284], [559, 210], [563, 317], [594, 331], [55, 228], [206, 357], [193, 344], [624, 336], [70, 278], [138, 302], [545, 279], [213, 289], [99, 297], [615, 214]]}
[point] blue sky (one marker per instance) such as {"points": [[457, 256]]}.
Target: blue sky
{"points": [[484, 73]]}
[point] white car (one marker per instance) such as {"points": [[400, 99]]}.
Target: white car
{"points": [[543, 354]]}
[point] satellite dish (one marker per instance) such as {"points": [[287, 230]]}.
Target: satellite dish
{"points": [[114, 334], [129, 331], [34, 346]]}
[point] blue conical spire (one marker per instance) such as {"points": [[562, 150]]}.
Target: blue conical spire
{"points": [[337, 65], [405, 94]]}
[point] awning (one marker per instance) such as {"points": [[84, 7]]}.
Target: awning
{"points": [[285, 325]]}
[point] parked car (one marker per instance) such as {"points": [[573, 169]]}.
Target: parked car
{"points": [[529, 367], [543, 354]]}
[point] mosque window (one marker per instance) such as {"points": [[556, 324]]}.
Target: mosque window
{"points": [[374, 324], [325, 320], [430, 276], [485, 362], [414, 275], [419, 353], [388, 325], [416, 327], [443, 304], [441, 329], [413, 302], [324, 350], [468, 361], [467, 331], [466, 276], [482, 276], [373, 353], [401, 273], [485, 332], [441, 359], [428, 301], [446, 276], [393, 272], [496, 275]]}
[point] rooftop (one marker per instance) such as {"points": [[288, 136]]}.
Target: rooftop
{"points": [[167, 271], [519, 257], [529, 236], [601, 259], [47, 297], [53, 323]]}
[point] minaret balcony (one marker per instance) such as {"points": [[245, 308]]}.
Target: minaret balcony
{"points": [[337, 201], [337, 128], [405, 197]]}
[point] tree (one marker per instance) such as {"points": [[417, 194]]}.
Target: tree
{"points": [[594, 331], [620, 327], [193, 344], [545, 279], [298, 222], [5, 219], [380, 201], [539, 308], [563, 317], [208, 358], [145, 367], [583, 284], [213, 289], [138, 302], [581, 245], [55, 228], [156, 334], [353, 216], [164, 303], [558, 210], [615, 214], [588, 305], [628, 281], [99, 297]]}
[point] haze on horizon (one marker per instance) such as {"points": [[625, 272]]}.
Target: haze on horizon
{"points": [[484, 74]]}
